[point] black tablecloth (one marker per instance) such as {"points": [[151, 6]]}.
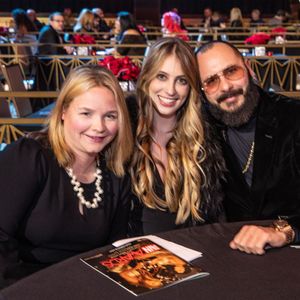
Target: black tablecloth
{"points": [[233, 275]]}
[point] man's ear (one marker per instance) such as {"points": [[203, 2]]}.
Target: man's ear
{"points": [[251, 72]]}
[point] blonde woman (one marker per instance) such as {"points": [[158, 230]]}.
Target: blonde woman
{"points": [[177, 167], [236, 24], [64, 190], [85, 21], [236, 18]]}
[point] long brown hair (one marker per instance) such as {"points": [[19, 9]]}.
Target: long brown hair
{"points": [[184, 174]]}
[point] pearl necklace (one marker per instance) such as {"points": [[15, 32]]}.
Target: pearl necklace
{"points": [[79, 190], [249, 160]]}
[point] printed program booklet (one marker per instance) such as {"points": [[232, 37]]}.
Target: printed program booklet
{"points": [[142, 266]]}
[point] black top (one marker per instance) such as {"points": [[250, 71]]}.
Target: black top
{"points": [[145, 220], [241, 139], [132, 39], [236, 26], [256, 22], [39, 215], [236, 23]]}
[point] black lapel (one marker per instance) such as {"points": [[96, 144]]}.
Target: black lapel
{"points": [[266, 125]]}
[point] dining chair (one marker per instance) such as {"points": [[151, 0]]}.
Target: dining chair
{"points": [[25, 57], [15, 81], [4, 105]]}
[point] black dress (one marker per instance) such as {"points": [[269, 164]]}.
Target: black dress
{"points": [[40, 222], [145, 220]]}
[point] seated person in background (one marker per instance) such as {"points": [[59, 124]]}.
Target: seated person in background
{"points": [[256, 19], [85, 22], [279, 19], [128, 33], [177, 165], [170, 23], [236, 24], [50, 36], [217, 20], [73, 194], [32, 16], [69, 19], [102, 25], [23, 30], [260, 135], [207, 17], [236, 18], [176, 11]]}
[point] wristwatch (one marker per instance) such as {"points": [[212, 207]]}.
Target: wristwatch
{"points": [[283, 226]]}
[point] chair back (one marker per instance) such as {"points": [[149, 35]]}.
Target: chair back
{"points": [[25, 56], [14, 78], [4, 105]]}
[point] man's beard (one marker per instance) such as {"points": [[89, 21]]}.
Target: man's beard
{"points": [[241, 115]]}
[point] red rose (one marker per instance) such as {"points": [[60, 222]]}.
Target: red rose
{"points": [[123, 68], [83, 39], [258, 38]]}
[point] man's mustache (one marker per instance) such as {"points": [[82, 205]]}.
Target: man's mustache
{"points": [[230, 94]]}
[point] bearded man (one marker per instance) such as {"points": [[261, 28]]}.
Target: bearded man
{"points": [[260, 136]]}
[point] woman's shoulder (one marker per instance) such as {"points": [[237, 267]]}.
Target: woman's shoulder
{"points": [[27, 155], [131, 31], [26, 144], [26, 148]]}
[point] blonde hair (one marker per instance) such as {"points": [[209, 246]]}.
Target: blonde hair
{"points": [[184, 174], [85, 21], [236, 14], [79, 81]]}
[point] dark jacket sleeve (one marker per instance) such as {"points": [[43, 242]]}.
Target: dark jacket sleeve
{"points": [[295, 220], [50, 38], [20, 182]]}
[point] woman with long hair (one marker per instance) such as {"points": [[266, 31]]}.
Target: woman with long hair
{"points": [[24, 30], [128, 33], [236, 18], [236, 24], [85, 22], [177, 167]]}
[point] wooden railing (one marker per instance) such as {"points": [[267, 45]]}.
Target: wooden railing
{"points": [[13, 128], [50, 72]]}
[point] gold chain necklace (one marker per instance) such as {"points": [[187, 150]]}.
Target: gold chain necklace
{"points": [[250, 157]]}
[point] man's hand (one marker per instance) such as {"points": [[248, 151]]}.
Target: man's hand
{"points": [[69, 49], [253, 239]]}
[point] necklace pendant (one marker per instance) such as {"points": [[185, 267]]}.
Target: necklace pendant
{"points": [[79, 189]]}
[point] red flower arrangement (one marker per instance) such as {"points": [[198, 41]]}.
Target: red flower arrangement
{"points": [[123, 68], [258, 39], [278, 31], [171, 25], [141, 28], [83, 39]]}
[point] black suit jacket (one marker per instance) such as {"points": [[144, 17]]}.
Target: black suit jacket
{"points": [[50, 37], [275, 189]]}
